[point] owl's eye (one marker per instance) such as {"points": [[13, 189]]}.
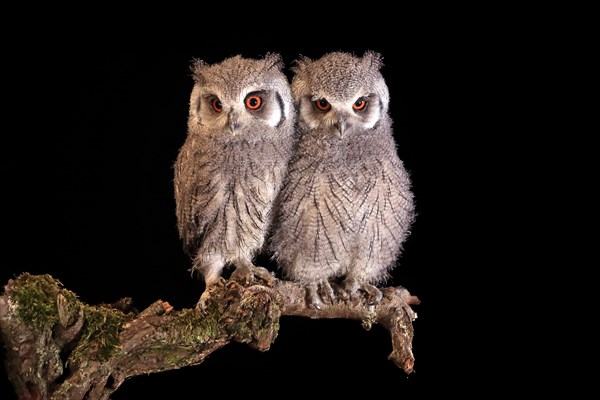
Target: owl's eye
{"points": [[253, 102], [360, 104], [216, 105], [323, 105]]}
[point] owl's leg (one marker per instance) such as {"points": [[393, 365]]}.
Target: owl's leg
{"points": [[319, 293], [351, 287], [211, 271], [246, 273]]}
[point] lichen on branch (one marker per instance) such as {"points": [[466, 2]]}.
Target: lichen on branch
{"points": [[60, 347]]}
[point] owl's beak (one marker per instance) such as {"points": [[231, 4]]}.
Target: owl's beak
{"points": [[232, 121], [341, 124]]}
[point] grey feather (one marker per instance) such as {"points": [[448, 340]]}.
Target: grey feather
{"points": [[231, 165], [346, 207]]}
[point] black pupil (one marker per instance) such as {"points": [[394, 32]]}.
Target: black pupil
{"points": [[218, 104], [358, 103], [323, 103], [253, 102]]}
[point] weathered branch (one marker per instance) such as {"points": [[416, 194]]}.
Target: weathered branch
{"points": [[393, 313], [58, 347]]}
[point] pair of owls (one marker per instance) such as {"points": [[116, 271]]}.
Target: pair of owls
{"points": [[307, 171]]}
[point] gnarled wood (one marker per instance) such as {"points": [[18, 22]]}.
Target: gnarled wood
{"points": [[57, 347]]}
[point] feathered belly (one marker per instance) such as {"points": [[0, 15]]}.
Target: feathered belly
{"points": [[341, 217], [224, 204], [315, 234], [233, 217]]}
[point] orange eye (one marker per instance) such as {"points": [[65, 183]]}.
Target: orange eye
{"points": [[253, 102], [216, 105], [359, 104], [323, 105]]}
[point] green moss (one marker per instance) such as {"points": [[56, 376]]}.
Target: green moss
{"points": [[36, 297], [36, 300], [100, 334], [268, 330], [256, 320], [172, 356], [194, 327]]}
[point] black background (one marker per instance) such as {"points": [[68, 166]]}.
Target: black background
{"points": [[88, 178]]}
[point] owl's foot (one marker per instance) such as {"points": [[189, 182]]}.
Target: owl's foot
{"points": [[203, 302], [318, 294], [373, 294], [246, 273], [205, 296], [351, 289]]}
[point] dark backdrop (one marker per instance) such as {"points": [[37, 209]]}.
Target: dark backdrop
{"points": [[88, 179]]}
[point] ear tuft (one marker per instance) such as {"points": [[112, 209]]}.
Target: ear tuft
{"points": [[196, 69], [372, 60]]}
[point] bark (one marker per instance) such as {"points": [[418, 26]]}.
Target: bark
{"points": [[58, 347]]}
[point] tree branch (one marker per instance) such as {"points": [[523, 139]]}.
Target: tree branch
{"points": [[58, 347]]}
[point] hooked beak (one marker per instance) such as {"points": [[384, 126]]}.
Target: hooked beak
{"points": [[232, 121], [341, 124]]}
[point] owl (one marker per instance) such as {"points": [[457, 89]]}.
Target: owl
{"points": [[240, 131], [346, 207]]}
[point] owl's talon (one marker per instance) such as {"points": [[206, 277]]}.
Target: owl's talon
{"points": [[349, 288], [343, 295], [318, 294], [352, 289], [243, 275], [247, 274], [326, 292], [205, 296], [203, 302], [312, 298], [373, 294], [263, 274], [340, 293]]}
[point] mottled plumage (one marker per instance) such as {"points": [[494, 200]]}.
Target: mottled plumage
{"points": [[346, 206], [230, 168]]}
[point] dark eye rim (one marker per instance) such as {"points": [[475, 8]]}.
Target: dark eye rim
{"points": [[365, 103], [252, 96], [326, 108], [213, 104]]}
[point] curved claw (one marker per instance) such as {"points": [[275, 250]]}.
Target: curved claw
{"points": [[205, 296], [203, 302], [319, 293], [351, 288], [246, 274], [374, 295]]}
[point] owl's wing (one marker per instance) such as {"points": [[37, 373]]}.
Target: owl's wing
{"points": [[187, 193], [387, 210]]}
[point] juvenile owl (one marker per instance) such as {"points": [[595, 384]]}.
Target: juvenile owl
{"points": [[346, 206], [230, 168]]}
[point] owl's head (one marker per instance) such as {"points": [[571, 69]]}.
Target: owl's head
{"points": [[240, 95], [340, 91]]}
